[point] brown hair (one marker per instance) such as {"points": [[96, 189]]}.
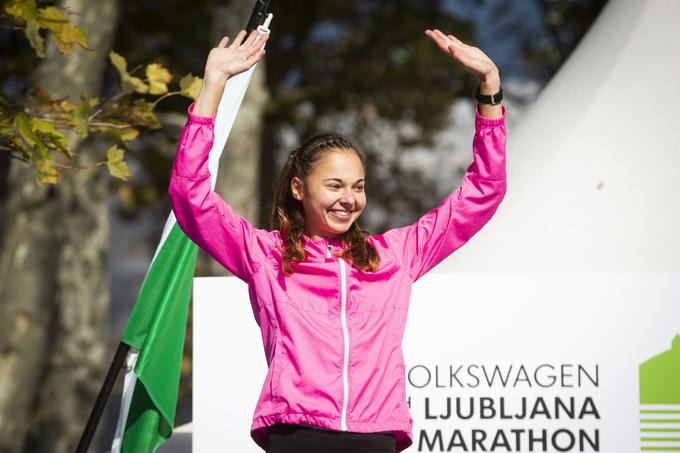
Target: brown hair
{"points": [[288, 214]]}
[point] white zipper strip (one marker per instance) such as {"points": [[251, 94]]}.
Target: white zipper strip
{"points": [[345, 335], [345, 384]]}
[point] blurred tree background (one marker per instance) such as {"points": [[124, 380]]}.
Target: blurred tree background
{"points": [[74, 254]]}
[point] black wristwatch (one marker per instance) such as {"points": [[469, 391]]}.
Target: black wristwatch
{"points": [[486, 99]]}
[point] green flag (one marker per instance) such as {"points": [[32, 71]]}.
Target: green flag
{"points": [[157, 328]]}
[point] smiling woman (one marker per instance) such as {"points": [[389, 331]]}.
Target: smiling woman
{"points": [[347, 200], [320, 193], [332, 299]]}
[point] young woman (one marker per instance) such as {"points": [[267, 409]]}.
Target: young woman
{"points": [[331, 300]]}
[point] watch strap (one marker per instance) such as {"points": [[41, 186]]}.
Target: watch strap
{"points": [[489, 99]]}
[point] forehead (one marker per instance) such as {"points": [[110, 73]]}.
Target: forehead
{"points": [[343, 164]]}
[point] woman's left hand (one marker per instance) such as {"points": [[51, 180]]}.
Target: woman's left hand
{"points": [[475, 62], [473, 59]]}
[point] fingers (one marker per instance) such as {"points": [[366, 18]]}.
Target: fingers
{"points": [[251, 39], [223, 42], [255, 46], [454, 39], [447, 43], [239, 38], [254, 58], [440, 39]]}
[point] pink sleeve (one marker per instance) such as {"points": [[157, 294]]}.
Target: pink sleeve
{"points": [[203, 214], [460, 215]]}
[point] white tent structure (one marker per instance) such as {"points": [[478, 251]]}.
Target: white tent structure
{"points": [[594, 166]]}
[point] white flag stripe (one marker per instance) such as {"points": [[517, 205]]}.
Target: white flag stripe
{"points": [[128, 384]]}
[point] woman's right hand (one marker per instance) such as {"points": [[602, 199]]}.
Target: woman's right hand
{"points": [[223, 63]]}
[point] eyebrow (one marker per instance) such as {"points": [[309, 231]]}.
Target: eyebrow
{"points": [[340, 180]]}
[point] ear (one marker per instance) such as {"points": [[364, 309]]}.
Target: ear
{"points": [[296, 188]]}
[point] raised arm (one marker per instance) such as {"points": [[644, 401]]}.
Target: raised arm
{"points": [[201, 213], [438, 233]]}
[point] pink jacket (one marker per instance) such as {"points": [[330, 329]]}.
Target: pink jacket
{"points": [[332, 334]]}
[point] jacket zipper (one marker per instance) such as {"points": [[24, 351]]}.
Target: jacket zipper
{"points": [[345, 335]]}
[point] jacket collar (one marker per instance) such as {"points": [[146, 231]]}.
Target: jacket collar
{"points": [[317, 249]]}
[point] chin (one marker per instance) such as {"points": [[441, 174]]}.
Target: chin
{"points": [[344, 229]]}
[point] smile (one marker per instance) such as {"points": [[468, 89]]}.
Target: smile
{"points": [[340, 213]]}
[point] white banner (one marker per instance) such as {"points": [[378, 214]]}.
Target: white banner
{"points": [[543, 362]]}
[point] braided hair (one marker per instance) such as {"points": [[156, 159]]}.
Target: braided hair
{"points": [[288, 215]]}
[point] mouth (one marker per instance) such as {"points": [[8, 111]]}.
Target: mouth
{"points": [[340, 213]]}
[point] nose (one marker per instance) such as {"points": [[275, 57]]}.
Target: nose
{"points": [[348, 199]]}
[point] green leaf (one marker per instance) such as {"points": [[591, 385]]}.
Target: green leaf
{"points": [[117, 167], [190, 86], [158, 78], [25, 126], [57, 139], [142, 114], [64, 33], [124, 134], [128, 82], [36, 41], [24, 9], [80, 117]]}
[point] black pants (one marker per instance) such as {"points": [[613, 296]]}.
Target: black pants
{"points": [[287, 438]]}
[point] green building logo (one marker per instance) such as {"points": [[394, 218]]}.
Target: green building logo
{"points": [[660, 401]]}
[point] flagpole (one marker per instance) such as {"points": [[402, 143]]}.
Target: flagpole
{"points": [[103, 396], [258, 16]]}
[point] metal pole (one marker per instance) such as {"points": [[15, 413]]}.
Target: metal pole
{"points": [[259, 13], [103, 396]]}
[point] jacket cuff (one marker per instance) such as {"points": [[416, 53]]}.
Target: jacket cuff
{"points": [[484, 121], [197, 118]]}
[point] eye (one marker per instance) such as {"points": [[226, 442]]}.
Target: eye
{"points": [[334, 186], [360, 188]]}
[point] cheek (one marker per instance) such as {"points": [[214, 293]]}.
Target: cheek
{"points": [[361, 200], [322, 201]]}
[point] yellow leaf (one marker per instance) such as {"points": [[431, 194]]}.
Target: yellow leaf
{"points": [[117, 167], [56, 138], [129, 133], [128, 83], [25, 9], [158, 78], [41, 125], [34, 39], [118, 61], [67, 106], [190, 86], [64, 33], [47, 174], [142, 114]]}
